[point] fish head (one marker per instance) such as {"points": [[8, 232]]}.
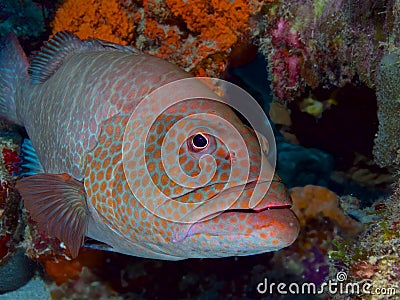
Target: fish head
{"points": [[210, 185]]}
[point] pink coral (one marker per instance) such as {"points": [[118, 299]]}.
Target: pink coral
{"points": [[286, 60]]}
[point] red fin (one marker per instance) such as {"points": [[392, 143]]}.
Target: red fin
{"points": [[58, 203]]}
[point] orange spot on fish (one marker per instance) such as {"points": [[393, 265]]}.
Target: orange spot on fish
{"points": [[157, 154], [103, 154], [102, 139], [198, 196], [160, 141], [183, 209], [103, 187], [220, 152], [225, 167], [155, 178], [92, 176], [170, 159], [116, 159], [181, 137], [189, 165], [143, 90], [95, 185], [106, 162], [100, 175], [224, 176], [151, 166], [182, 159], [176, 215], [147, 193], [97, 152], [164, 179], [125, 198], [119, 187], [109, 129], [167, 191]]}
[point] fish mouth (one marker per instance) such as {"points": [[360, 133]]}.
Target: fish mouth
{"points": [[268, 211], [258, 209], [252, 232]]}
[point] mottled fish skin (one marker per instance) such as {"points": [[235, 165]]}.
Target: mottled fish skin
{"points": [[88, 88], [76, 110]]}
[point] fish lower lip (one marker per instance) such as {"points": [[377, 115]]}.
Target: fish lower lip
{"points": [[260, 221]]}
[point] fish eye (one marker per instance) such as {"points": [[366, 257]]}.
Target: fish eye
{"points": [[198, 142]]}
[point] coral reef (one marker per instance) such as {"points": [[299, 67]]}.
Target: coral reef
{"points": [[316, 43], [315, 46], [286, 59], [10, 201], [104, 19], [85, 286], [387, 144], [197, 35], [15, 268], [373, 256]]}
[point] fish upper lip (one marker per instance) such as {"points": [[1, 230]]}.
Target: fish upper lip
{"points": [[246, 186], [249, 185]]}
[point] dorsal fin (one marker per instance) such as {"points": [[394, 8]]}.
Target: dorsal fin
{"points": [[57, 202], [51, 56]]}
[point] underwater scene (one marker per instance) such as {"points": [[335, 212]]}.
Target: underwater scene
{"points": [[199, 149]]}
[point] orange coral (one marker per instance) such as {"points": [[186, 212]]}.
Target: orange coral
{"points": [[311, 200], [217, 21], [61, 270], [197, 34], [103, 19]]}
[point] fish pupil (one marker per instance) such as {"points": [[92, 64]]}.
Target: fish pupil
{"points": [[200, 141]]}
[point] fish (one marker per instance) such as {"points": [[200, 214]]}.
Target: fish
{"points": [[76, 99]]}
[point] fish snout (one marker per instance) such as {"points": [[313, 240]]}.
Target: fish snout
{"points": [[258, 195], [246, 232], [260, 218]]}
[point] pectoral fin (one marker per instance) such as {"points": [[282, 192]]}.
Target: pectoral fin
{"points": [[57, 202]]}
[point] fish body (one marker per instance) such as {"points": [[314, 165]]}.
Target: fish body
{"points": [[76, 104]]}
